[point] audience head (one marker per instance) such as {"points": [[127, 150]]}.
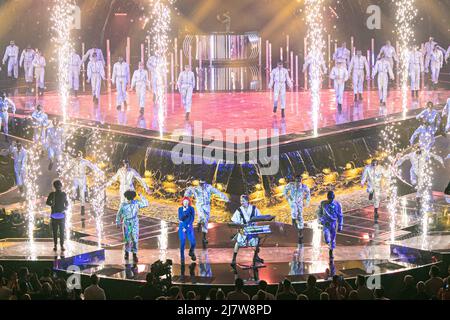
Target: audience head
{"points": [[212, 294], [191, 295], [302, 297], [239, 284], [174, 292], [220, 295], [420, 286], [262, 285], [353, 295], [434, 272], [408, 280], [361, 281], [57, 184], [94, 279], [311, 281], [324, 296]]}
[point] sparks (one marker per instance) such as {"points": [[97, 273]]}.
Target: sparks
{"points": [[159, 34], [405, 15], [62, 18], [316, 45]]}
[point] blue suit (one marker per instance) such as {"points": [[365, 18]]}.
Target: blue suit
{"points": [[186, 228], [330, 216]]}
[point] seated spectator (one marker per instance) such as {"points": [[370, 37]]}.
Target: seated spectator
{"points": [[46, 292], [13, 282], [35, 283], [175, 293], [46, 276], [60, 288], [312, 291], [353, 295], [220, 295], [435, 282], [238, 293], [324, 296], [335, 290], [421, 294], [259, 296], [286, 291], [444, 292], [262, 286], [150, 290], [379, 294], [5, 292], [364, 293], [211, 294], [302, 297], [191, 295], [408, 292], [94, 292], [24, 277]]}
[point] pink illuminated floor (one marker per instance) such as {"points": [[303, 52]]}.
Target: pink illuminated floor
{"points": [[222, 111]]}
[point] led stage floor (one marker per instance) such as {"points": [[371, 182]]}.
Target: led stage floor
{"points": [[240, 110], [361, 247]]}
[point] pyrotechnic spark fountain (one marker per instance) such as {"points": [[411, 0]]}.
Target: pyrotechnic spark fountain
{"points": [[316, 45], [32, 172], [388, 146], [62, 18], [405, 15], [160, 16]]}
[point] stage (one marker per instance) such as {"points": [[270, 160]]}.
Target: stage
{"points": [[227, 115]]}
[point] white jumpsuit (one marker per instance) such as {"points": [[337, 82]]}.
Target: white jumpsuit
{"points": [[40, 123], [126, 178], [415, 69], [5, 106], [389, 52], [310, 63], [431, 118], [121, 78], [342, 55], [39, 65], [186, 85], [373, 176], [437, 62], [384, 71], [340, 76], [140, 82], [26, 61], [79, 177], [12, 57], [279, 77], [55, 143], [95, 73], [446, 113], [20, 164], [202, 197], [74, 73], [152, 65], [358, 65], [89, 54], [296, 195], [428, 50], [426, 137]]}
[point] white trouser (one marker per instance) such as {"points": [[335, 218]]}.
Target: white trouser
{"points": [[391, 62], [141, 91], [297, 213], [121, 86], [13, 67], [339, 87], [435, 72], [383, 83], [203, 212], [358, 81], [427, 62], [39, 135], [40, 77], [19, 172], [415, 77], [186, 97], [96, 84], [80, 184], [279, 93], [74, 78], [54, 152], [376, 195], [154, 83], [4, 117], [28, 68]]}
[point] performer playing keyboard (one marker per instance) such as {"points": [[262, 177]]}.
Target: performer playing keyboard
{"points": [[243, 215]]}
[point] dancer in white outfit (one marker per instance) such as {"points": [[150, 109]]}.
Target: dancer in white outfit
{"points": [[95, 73], [415, 70], [12, 58], [279, 78], [74, 72], [26, 61], [121, 78], [342, 55], [140, 82], [372, 176], [39, 65], [437, 62], [389, 52], [340, 75], [384, 70], [186, 85], [358, 64]]}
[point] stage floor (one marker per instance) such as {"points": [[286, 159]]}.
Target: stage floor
{"points": [[231, 111], [362, 247]]}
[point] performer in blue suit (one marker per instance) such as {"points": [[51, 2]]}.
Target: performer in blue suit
{"points": [[329, 214], [186, 216]]}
